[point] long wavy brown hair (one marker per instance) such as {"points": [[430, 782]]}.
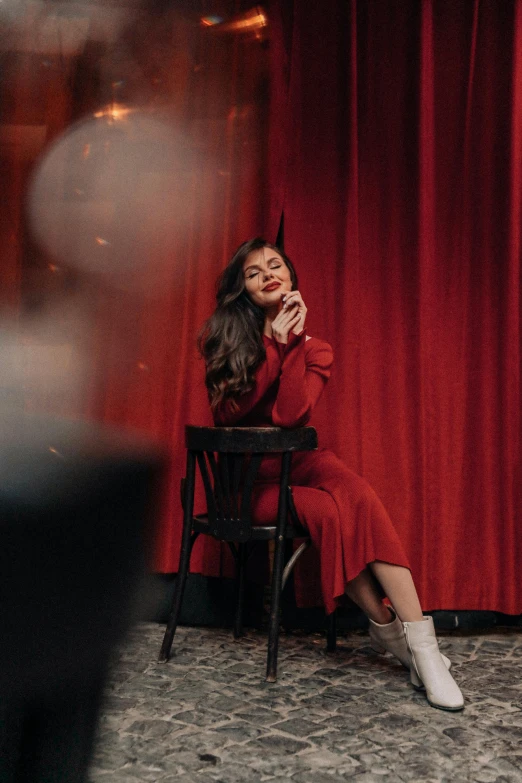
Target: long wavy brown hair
{"points": [[231, 341]]}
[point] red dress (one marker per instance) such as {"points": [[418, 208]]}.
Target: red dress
{"points": [[347, 522]]}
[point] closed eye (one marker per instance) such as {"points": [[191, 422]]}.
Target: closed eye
{"points": [[253, 273]]}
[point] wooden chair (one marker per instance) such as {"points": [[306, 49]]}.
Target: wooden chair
{"points": [[228, 459]]}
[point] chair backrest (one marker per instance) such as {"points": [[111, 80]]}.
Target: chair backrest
{"points": [[229, 458]]}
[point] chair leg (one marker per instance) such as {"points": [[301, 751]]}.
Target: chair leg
{"points": [[331, 633], [287, 605], [277, 575], [275, 602], [187, 542], [177, 599], [240, 589]]}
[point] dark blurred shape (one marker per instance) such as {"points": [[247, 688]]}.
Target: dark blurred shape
{"points": [[76, 501], [253, 23]]}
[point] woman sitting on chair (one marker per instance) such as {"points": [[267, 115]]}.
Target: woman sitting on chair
{"points": [[262, 369]]}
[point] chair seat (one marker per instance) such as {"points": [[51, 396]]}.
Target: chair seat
{"points": [[200, 524]]}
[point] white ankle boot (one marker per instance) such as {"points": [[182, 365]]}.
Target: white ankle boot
{"points": [[441, 689], [390, 638]]}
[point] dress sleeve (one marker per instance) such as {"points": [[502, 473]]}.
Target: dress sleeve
{"points": [[304, 375], [266, 374]]}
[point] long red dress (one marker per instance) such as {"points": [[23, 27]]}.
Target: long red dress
{"points": [[347, 522]]}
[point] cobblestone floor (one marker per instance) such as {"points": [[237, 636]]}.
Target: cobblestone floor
{"points": [[208, 716]]}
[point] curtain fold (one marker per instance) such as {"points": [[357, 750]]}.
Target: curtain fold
{"points": [[401, 157]]}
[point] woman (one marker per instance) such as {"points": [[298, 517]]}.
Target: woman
{"points": [[262, 369]]}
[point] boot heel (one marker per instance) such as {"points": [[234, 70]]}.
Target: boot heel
{"points": [[416, 680], [376, 647]]}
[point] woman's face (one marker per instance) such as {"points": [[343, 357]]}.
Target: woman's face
{"points": [[267, 277]]}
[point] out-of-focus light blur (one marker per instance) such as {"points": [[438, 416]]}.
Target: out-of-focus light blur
{"points": [[210, 21], [110, 196], [252, 22], [39, 369], [60, 26]]}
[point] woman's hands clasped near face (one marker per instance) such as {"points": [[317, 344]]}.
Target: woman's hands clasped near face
{"points": [[291, 317], [268, 283]]}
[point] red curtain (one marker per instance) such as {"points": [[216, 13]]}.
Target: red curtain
{"points": [[396, 153], [395, 141]]}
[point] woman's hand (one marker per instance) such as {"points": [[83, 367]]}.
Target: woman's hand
{"points": [[292, 300], [291, 318], [283, 323]]}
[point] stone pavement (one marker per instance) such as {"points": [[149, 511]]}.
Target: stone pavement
{"points": [[208, 716]]}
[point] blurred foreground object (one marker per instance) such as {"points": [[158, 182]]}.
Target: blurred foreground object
{"points": [[110, 197], [76, 502], [42, 367]]}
